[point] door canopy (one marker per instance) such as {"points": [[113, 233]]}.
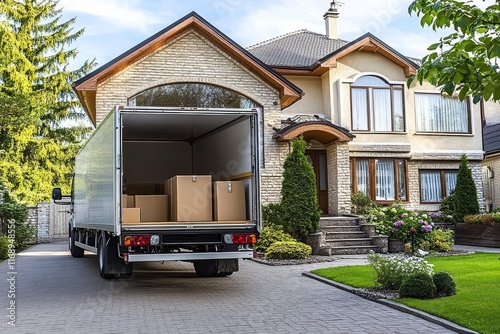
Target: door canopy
{"points": [[321, 131]]}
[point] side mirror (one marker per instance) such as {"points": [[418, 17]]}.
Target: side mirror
{"points": [[57, 194]]}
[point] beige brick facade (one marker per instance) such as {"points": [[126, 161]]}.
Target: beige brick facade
{"points": [[193, 58]]}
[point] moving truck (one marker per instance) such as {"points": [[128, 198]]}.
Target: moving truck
{"points": [[168, 184]]}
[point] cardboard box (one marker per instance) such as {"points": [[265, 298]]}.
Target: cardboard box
{"points": [[153, 207], [191, 197], [229, 201], [140, 189], [131, 215], [130, 201]]}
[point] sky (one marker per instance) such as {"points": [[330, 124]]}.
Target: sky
{"points": [[114, 26]]}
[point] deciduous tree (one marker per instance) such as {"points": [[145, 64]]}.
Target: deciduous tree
{"points": [[466, 61]]}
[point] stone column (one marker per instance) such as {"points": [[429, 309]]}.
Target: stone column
{"points": [[339, 179]]}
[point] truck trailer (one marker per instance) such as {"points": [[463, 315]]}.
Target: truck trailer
{"points": [[168, 184]]}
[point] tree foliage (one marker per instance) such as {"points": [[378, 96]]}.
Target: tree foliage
{"points": [[465, 61], [465, 196], [37, 146], [299, 209]]}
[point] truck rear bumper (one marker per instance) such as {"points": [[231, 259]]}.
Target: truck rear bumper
{"points": [[248, 254]]}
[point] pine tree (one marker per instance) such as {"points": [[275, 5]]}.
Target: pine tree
{"points": [[465, 196], [36, 98], [299, 207]]}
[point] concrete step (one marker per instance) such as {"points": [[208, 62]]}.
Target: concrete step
{"points": [[340, 228], [359, 242], [354, 234], [337, 221], [351, 250]]}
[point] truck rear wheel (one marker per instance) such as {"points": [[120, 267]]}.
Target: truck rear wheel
{"points": [[206, 268], [102, 254], [73, 249]]}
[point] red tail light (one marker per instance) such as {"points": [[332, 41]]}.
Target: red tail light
{"points": [[141, 240], [243, 239]]}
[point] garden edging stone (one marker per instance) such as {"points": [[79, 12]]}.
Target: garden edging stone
{"points": [[400, 307]]}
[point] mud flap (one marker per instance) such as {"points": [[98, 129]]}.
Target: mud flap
{"points": [[114, 264], [227, 265]]}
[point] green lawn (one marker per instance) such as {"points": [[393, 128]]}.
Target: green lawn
{"points": [[477, 276]]}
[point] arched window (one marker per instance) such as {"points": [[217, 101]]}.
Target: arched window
{"points": [[191, 95], [377, 105]]}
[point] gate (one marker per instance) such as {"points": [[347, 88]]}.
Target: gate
{"points": [[59, 218]]}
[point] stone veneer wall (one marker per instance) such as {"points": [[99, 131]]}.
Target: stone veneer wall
{"points": [[39, 216], [193, 58], [339, 178], [414, 182]]}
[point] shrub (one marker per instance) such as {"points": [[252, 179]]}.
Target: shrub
{"points": [[16, 214], [4, 248], [361, 203], [390, 271], [465, 202], [271, 214], [396, 222], [438, 241], [485, 218], [288, 250], [417, 285], [299, 208], [447, 206], [445, 286], [270, 235]]}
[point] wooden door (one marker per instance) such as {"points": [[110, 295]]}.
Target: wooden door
{"points": [[317, 158]]}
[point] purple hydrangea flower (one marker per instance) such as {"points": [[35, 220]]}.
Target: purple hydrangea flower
{"points": [[398, 223], [426, 228], [394, 230]]}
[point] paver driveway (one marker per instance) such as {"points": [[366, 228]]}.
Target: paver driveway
{"points": [[56, 293]]}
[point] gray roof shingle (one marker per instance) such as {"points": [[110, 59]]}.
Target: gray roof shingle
{"points": [[491, 138], [301, 48]]}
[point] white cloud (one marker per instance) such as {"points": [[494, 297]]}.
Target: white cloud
{"points": [[112, 15]]}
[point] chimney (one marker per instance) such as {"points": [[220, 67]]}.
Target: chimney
{"points": [[331, 17]]}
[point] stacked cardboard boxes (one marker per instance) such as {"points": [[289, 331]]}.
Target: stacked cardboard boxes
{"points": [[188, 198]]}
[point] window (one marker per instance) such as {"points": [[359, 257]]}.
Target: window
{"points": [[382, 179], [437, 113], [436, 184], [377, 105], [191, 95]]}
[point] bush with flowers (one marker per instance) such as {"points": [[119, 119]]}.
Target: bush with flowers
{"points": [[397, 222], [390, 271]]}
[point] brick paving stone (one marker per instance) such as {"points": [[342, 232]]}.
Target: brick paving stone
{"points": [[56, 293]]}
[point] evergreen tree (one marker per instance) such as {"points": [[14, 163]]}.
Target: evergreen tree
{"points": [[465, 196], [36, 99], [299, 209]]}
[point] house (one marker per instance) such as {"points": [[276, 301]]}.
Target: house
{"points": [[491, 166], [366, 130]]}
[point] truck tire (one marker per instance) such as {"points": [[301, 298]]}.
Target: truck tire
{"points": [[73, 249], [102, 254], [206, 268]]}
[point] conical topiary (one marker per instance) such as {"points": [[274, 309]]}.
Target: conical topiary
{"points": [[299, 207], [465, 195]]}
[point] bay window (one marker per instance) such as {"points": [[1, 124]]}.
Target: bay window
{"points": [[436, 184], [382, 179], [377, 105], [438, 113]]}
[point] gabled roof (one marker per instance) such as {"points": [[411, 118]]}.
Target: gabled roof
{"points": [[301, 48], [86, 87], [491, 139], [310, 53]]}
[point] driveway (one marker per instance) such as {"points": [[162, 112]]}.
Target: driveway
{"points": [[55, 293]]}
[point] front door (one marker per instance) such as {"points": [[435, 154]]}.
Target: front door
{"points": [[317, 158]]}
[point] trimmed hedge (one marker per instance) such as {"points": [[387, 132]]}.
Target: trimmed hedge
{"points": [[288, 250], [4, 248], [269, 236], [418, 285]]}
